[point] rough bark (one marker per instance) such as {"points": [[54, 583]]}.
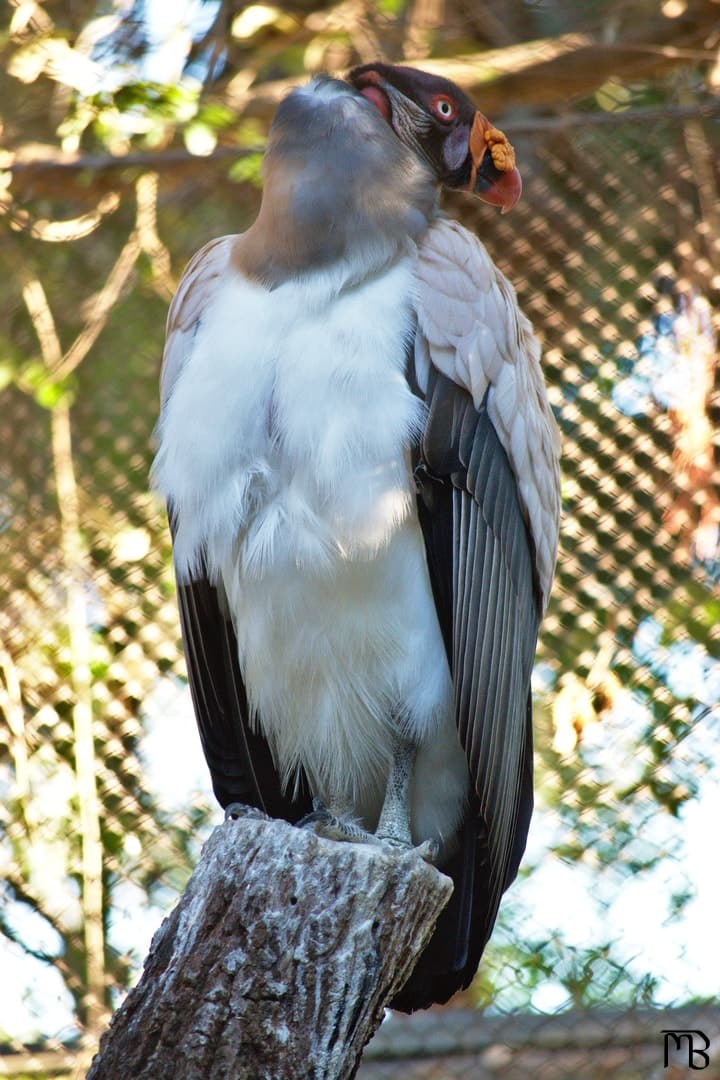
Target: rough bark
{"points": [[278, 960]]}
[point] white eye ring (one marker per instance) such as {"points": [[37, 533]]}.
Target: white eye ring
{"points": [[445, 109]]}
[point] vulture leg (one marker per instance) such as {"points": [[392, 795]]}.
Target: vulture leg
{"points": [[335, 820], [394, 824]]}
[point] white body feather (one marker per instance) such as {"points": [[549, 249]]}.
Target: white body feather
{"points": [[284, 450]]}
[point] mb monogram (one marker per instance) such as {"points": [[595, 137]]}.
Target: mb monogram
{"points": [[697, 1056]]}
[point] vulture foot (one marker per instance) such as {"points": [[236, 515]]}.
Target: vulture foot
{"points": [[428, 850], [333, 826], [345, 828], [236, 810]]}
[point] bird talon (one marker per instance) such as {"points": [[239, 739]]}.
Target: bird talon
{"points": [[330, 826], [394, 841], [428, 851], [315, 817]]}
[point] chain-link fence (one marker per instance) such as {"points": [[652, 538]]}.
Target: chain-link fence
{"points": [[613, 251], [458, 1044]]}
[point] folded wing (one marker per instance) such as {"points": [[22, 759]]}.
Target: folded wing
{"points": [[488, 502]]}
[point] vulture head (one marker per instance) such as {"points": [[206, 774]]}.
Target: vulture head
{"points": [[433, 117], [352, 169]]}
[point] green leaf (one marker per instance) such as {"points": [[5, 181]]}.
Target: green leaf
{"points": [[216, 115], [7, 374], [247, 169], [391, 7]]}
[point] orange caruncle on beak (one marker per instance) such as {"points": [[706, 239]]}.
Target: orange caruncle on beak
{"points": [[494, 177]]}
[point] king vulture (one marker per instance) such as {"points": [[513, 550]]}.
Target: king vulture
{"points": [[361, 470]]}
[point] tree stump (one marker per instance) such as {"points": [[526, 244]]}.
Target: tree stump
{"points": [[278, 960]]}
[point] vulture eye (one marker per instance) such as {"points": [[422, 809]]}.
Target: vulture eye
{"points": [[444, 107]]}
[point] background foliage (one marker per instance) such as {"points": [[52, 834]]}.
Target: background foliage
{"points": [[132, 133]]}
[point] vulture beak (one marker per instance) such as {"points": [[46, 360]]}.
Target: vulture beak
{"points": [[494, 177]]}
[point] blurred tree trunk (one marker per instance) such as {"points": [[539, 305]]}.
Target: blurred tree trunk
{"points": [[75, 575]]}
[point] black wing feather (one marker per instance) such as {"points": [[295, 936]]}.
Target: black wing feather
{"points": [[481, 563], [239, 758]]}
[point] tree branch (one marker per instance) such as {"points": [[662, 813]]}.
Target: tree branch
{"points": [[11, 705], [21, 893], [41, 173], [74, 577], [278, 960], [102, 305]]}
